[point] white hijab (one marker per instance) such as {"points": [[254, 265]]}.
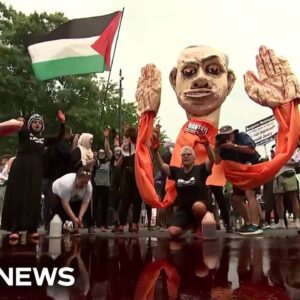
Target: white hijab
{"points": [[85, 147]]}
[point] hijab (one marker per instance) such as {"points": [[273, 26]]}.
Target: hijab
{"points": [[85, 147]]}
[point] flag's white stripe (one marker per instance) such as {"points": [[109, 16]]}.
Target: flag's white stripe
{"points": [[58, 49]]}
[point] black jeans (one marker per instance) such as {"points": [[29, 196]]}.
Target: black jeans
{"points": [[99, 205], [223, 203], [129, 195], [47, 185], [57, 208]]}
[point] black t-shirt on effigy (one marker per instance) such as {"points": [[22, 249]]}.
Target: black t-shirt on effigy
{"points": [[190, 186]]}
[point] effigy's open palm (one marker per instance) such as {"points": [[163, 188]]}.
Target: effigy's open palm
{"points": [[276, 84], [148, 89]]}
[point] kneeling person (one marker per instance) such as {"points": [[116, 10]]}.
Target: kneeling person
{"points": [[190, 181], [71, 196]]}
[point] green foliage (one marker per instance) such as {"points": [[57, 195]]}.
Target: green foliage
{"points": [[82, 98]]}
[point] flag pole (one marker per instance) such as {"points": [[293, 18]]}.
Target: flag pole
{"points": [[120, 105], [112, 61]]}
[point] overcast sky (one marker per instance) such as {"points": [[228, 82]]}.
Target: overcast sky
{"points": [[156, 31]]}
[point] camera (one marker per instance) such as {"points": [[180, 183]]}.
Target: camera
{"points": [[221, 139]]}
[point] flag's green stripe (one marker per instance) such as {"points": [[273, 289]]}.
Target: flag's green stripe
{"points": [[69, 66]]}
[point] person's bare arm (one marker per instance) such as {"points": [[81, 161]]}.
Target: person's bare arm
{"points": [[107, 149], [292, 163], [83, 208], [75, 141], [203, 139], [210, 154], [9, 163], [68, 210], [239, 148], [217, 156], [161, 164]]}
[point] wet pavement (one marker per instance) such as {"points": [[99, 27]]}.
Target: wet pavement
{"points": [[151, 266]]}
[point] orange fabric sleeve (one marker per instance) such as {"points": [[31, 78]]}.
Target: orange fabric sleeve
{"points": [[243, 176], [146, 283], [251, 176], [143, 161]]}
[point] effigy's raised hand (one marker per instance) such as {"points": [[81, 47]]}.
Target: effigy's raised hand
{"points": [[148, 89], [276, 84]]}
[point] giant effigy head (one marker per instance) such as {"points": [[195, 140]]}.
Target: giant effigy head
{"points": [[202, 80]]}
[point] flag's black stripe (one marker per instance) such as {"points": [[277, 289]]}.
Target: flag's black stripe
{"points": [[77, 28]]}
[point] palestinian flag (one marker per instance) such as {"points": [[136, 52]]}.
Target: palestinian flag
{"points": [[79, 46]]}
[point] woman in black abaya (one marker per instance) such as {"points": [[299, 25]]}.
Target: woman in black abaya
{"points": [[22, 202]]}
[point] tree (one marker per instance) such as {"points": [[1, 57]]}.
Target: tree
{"points": [[80, 97]]}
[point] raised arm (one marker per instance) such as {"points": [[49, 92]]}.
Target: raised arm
{"points": [[11, 126], [61, 119], [107, 149], [210, 154], [203, 139], [161, 164], [155, 146]]}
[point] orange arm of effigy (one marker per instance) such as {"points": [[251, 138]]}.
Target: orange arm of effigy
{"points": [[143, 162]]}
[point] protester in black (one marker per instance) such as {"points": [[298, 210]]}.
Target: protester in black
{"points": [[22, 202], [193, 200], [129, 190]]}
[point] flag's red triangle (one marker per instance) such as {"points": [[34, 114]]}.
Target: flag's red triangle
{"points": [[104, 43]]}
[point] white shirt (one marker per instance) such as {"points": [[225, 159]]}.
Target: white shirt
{"points": [[64, 187], [4, 174]]}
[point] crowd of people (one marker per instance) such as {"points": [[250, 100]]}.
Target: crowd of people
{"points": [[62, 175], [66, 176]]}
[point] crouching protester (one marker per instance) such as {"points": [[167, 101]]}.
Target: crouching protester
{"points": [[190, 182], [71, 195]]}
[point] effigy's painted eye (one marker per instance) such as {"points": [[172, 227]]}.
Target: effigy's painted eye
{"points": [[213, 69], [189, 71]]}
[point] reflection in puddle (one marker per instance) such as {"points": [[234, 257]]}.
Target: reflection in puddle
{"points": [[157, 268]]}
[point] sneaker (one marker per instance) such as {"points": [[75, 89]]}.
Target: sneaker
{"points": [[266, 226], [278, 226], [102, 229], [250, 230], [115, 228], [120, 230], [92, 230]]}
